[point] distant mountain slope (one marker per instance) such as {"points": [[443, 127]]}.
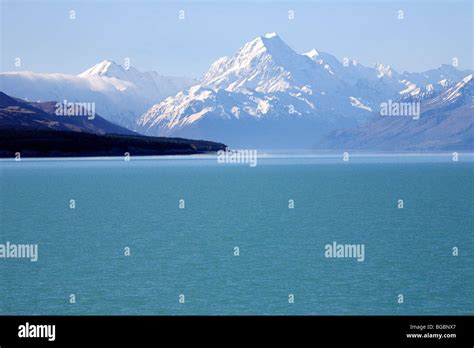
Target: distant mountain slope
{"points": [[15, 113], [120, 94], [34, 130], [446, 123]]}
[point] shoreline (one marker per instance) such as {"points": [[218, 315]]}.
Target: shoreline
{"points": [[334, 157]]}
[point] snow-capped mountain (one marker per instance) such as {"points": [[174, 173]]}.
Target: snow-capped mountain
{"points": [[267, 65], [265, 90], [458, 95], [446, 123], [150, 84], [120, 94], [383, 81], [268, 95]]}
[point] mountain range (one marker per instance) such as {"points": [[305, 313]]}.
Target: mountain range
{"points": [[446, 123], [267, 95], [120, 93]]}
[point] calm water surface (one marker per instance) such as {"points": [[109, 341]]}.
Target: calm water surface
{"points": [[191, 251]]}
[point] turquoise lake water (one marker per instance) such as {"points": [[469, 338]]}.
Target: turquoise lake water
{"points": [[190, 251]]}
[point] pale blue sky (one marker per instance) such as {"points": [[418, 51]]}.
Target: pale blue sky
{"points": [[150, 33]]}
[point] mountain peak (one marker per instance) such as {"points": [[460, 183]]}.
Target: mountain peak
{"points": [[313, 53], [383, 70], [104, 68], [270, 35], [269, 43]]}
